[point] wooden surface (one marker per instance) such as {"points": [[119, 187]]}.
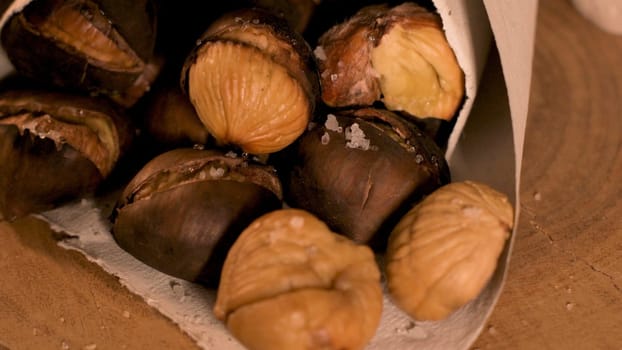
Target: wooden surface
{"points": [[564, 286]]}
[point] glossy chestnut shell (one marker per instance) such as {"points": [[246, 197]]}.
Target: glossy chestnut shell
{"points": [[101, 46], [360, 171], [185, 208], [55, 147]]}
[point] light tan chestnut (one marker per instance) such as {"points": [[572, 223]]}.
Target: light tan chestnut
{"points": [[252, 80], [290, 283], [398, 55], [443, 252]]}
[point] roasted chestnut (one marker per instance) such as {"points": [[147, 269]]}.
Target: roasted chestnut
{"points": [[103, 46], [360, 171], [290, 283], [397, 55], [55, 147], [252, 81], [185, 208], [444, 250], [170, 119]]}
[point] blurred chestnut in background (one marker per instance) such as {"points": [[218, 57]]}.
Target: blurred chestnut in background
{"points": [[101, 46], [170, 119], [360, 171], [55, 147], [185, 208]]}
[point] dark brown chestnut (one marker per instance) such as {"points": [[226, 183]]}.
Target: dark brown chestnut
{"points": [[170, 119], [360, 171], [185, 208], [252, 81], [103, 46], [55, 147]]}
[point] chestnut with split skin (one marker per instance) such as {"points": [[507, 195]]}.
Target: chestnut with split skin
{"points": [[56, 147], [184, 209]]}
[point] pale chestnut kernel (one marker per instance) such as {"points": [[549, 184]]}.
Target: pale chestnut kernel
{"points": [[443, 252], [398, 55], [290, 283], [252, 81]]}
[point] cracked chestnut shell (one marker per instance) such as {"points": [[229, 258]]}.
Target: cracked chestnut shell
{"points": [[102, 46], [444, 250], [360, 171], [397, 55], [252, 81], [55, 147], [290, 283], [184, 208]]}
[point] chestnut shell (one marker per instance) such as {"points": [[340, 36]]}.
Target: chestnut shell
{"points": [[129, 24], [35, 175], [186, 230], [362, 193], [38, 173]]}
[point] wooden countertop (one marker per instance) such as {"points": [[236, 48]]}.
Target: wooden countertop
{"points": [[564, 286]]}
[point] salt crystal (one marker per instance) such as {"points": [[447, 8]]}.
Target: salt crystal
{"points": [[537, 196], [325, 138], [320, 53], [64, 345], [334, 77], [216, 172], [332, 123], [356, 138], [126, 314], [297, 222], [569, 306], [471, 212], [231, 154]]}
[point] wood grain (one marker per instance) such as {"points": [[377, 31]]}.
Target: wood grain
{"points": [[564, 286], [52, 298]]}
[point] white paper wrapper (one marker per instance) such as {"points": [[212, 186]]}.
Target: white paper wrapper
{"points": [[486, 145]]}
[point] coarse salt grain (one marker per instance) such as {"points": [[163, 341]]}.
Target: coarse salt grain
{"points": [[216, 172], [297, 222], [356, 138], [332, 124], [320, 53], [325, 138]]}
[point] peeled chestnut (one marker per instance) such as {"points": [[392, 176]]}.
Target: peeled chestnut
{"points": [[252, 81], [184, 208], [444, 250], [55, 147], [397, 55], [102, 46], [360, 171], [290, 283]]}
